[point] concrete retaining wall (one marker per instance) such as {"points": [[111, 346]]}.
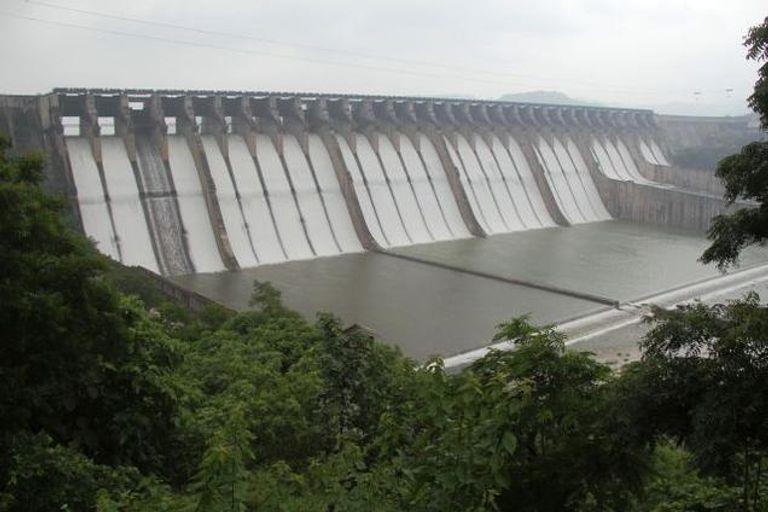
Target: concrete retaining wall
{"points": [[177, 294], [696, 180], [661, 206]]}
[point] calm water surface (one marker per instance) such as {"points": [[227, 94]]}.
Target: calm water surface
{"points": [[428, 310]]}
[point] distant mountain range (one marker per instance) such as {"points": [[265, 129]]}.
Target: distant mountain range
{"points": [[548, 97]]}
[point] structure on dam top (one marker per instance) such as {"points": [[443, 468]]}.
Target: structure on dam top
{"points": [[203, 181]]}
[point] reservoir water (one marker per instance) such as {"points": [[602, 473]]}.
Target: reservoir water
{"points": [[432, 310]]}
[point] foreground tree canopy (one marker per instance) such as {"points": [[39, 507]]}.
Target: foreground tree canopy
{"points": [[745, 175]]}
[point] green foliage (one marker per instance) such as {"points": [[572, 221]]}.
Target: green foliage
{"points": [[341, 481], [222, 480], [702, 381], [757, 50], [77, 360], [677, 486], [134, 281], [42, 475], [529, 429], [361, 379], [745, 175]]}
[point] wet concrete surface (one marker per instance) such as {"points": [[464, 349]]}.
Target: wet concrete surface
{"points": [[621, 346]]}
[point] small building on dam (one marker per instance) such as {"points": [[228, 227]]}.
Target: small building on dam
{"points": [[428, 221]]}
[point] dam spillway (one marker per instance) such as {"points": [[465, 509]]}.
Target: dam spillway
{"points": [[192, 182]]}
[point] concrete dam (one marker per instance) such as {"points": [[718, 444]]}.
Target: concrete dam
{"points": [[203, 183], [337, 198]]}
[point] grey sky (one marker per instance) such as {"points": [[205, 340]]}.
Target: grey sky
{"points": [[629, 52]]}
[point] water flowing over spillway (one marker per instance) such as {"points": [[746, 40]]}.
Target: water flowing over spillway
{"points": [[310, 201], [231, 204], [185, 182], [131, 219], [341, 223], [570, 181], [282, 199], [658, 154], [403, 193], [430, 205], [651, 152], [249, 190], [528, 185], [436, 176], [289, 218], [484, 201], [202, 245], [615, 160], [257, 207], [281, 203], [90, 193], [593, 196], [371, 183]]}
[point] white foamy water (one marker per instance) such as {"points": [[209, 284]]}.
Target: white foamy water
{"points": [[443, 192], [485, 197], [90, 195], [287, 216], [331, 192], [312, 207], [388, 212], [404, 194], [203, 250], [130, 219], [231, 212], [256, 208], [558, 183]]}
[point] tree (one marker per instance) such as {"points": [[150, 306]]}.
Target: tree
{"points": [[530, 429], [677, 486], [78, 360], [701, 382], [745, 175]]}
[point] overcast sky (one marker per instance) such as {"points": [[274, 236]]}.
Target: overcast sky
{"points": [[675, 55]]}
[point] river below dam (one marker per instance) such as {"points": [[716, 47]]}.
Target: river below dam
{"points": [[446, 298]]}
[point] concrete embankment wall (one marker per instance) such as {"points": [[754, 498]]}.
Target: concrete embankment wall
{"points": [[662, 206], [697, 180], [177, 294]]}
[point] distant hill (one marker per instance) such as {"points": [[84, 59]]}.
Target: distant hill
{"points": [[456, 96], [550, 97]]}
